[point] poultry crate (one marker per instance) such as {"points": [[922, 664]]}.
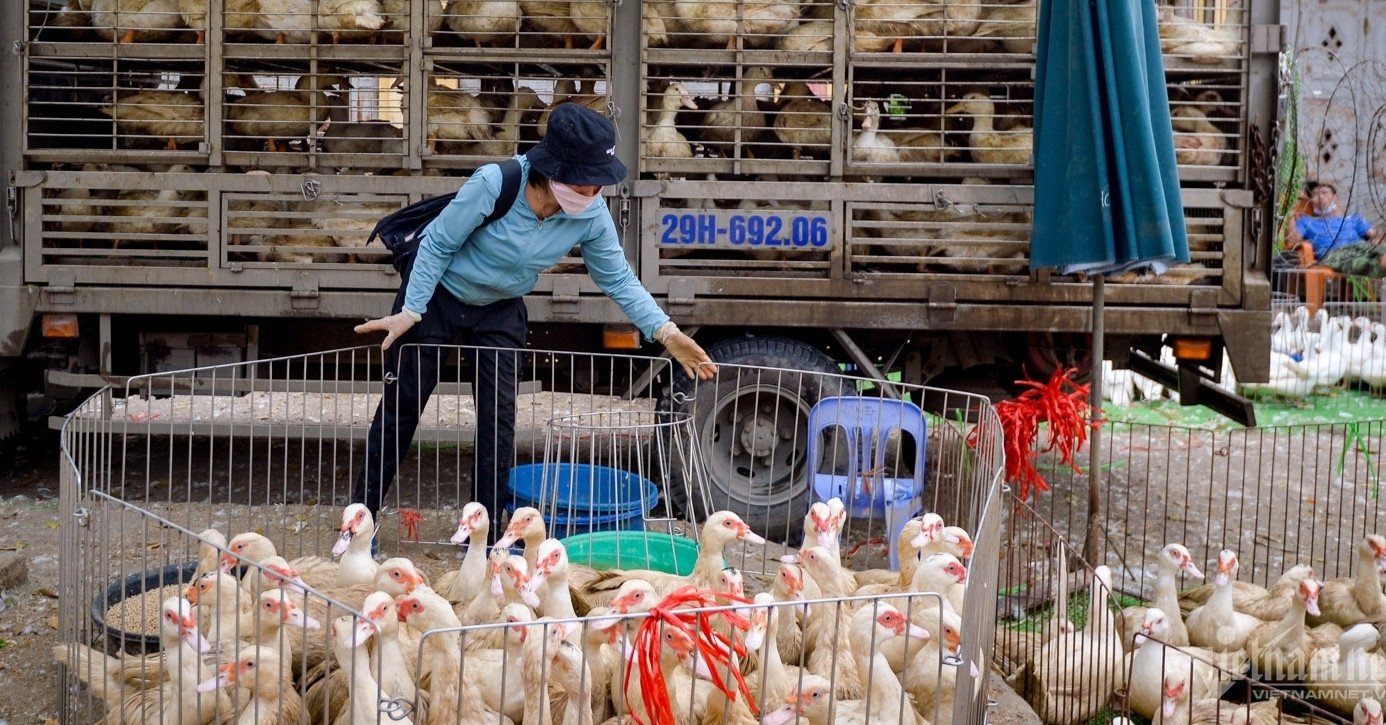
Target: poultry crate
{"points": [[267, 452], [1075, 660], [1174, 497]]}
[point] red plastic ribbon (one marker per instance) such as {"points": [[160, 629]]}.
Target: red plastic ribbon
{"points": [[1061, 403], [712, 645]]}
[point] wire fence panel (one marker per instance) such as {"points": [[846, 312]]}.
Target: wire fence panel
{"points": [[213, 566]]}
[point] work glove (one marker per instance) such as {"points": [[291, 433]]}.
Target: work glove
{"points": [[690, 355], [394, 327]]}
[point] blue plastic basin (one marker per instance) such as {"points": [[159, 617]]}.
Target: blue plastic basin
{"points": [[582, 497]]}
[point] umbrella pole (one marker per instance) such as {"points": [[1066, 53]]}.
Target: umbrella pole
{"points": [[1094, 534]]}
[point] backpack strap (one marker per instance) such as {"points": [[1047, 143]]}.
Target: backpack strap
{"points": [[510, 189]]}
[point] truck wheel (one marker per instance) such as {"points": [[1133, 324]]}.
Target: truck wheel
{"points": [[751, 424]]}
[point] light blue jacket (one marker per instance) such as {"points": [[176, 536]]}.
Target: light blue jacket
{"points": [[503, 260]]}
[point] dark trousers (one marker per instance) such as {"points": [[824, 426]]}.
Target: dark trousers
{"points": [[411, 374]]}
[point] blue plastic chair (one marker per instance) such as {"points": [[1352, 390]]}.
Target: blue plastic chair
{"points": [[866, 424]]}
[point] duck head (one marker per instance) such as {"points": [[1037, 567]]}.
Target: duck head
{"points": [[398, 576], [527, 523], [357, 523], [472, 520], [177, 622]]}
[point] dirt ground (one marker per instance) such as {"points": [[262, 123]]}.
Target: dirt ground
{"points": [[28, 612]]}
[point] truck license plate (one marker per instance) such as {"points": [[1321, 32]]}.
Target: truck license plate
{"points": [[789, 231]]}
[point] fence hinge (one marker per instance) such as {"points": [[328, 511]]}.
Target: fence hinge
{"points": [[942, 303], [566, 295], [1267, 38], [682, 293], [62, 287], [1203, 307], [305, 295]]}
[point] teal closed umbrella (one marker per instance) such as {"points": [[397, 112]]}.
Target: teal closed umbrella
{"points": [[1106, 181]]}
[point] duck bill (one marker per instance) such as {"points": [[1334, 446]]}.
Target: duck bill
{"points": [[957, 108], [496, 589], [343, 542], [754, 538], [508, 539], [755, 637], [1192, 569], [364, 631], [463, 534], [1167, 707], [295, 584], [529, 591], [1221, 579], [825, 539], [921, 539], [785, 714], [606, 621], [965, 545], [1312, 606], [228, 563], [194, 639], [299, 619], [917, 632], [223, 679]]}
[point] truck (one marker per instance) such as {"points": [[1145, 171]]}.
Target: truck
{"points": [[815, 185]]}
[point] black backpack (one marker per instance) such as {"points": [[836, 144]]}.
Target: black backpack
{"points": [[399, 231]]}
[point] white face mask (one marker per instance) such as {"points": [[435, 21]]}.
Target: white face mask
{"points": [[1323, 211], [569, 199]]}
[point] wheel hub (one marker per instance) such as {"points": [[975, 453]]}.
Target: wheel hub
{"points": [[757, 435]]}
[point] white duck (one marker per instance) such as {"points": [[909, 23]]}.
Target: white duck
{"points": [[1152, 659], [1173, 559], [1264, 604], [1217, 625], [1349, 600], [356, 566], [175, 699], [1073, 676], [663, 140], [461, 585], [264, 696], [1282, 650], [527, 525], [391, 668], [1341, 677], [870, 145], [987, 145], [547, 589], [349, 639]]}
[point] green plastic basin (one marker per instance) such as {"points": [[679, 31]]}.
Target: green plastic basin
{"points": [[633, 550]]}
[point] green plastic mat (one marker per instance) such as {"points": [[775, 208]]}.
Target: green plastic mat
{"points": [[1344, 406]]}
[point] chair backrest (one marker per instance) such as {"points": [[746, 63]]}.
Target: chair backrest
{"points": [[867, 423]]}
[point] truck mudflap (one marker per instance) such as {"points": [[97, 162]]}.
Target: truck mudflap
{"points": [[1195, 387]]}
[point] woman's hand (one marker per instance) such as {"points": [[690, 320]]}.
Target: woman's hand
{"points": [[690, 355], [393, 326]]}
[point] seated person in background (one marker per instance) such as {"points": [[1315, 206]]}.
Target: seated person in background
{"points": [[1346, 243]]}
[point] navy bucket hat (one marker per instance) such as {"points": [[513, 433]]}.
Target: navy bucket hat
{"points": [[578, 149]]}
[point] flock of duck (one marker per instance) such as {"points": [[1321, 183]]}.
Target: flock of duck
{"points": [[1175, 659], [789, 25], [535, 638], [1311, 353]]}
